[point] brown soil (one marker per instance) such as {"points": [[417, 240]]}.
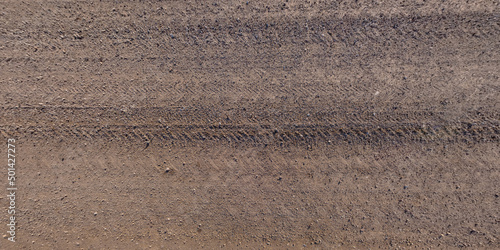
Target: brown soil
{"points": [[259, 124]]}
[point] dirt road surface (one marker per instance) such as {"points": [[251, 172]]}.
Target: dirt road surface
{"points": [[251, 124]]}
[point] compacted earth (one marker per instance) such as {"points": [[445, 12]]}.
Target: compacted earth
{"points": [[251, 124]]}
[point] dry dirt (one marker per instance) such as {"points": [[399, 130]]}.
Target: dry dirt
{"points": [[252, 124]]}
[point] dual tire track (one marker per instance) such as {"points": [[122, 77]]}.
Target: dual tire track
{"points": [[180, 125]]}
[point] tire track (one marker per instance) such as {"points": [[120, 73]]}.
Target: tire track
{"points": [[289, 135], [352, 33], [267, 115]]}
